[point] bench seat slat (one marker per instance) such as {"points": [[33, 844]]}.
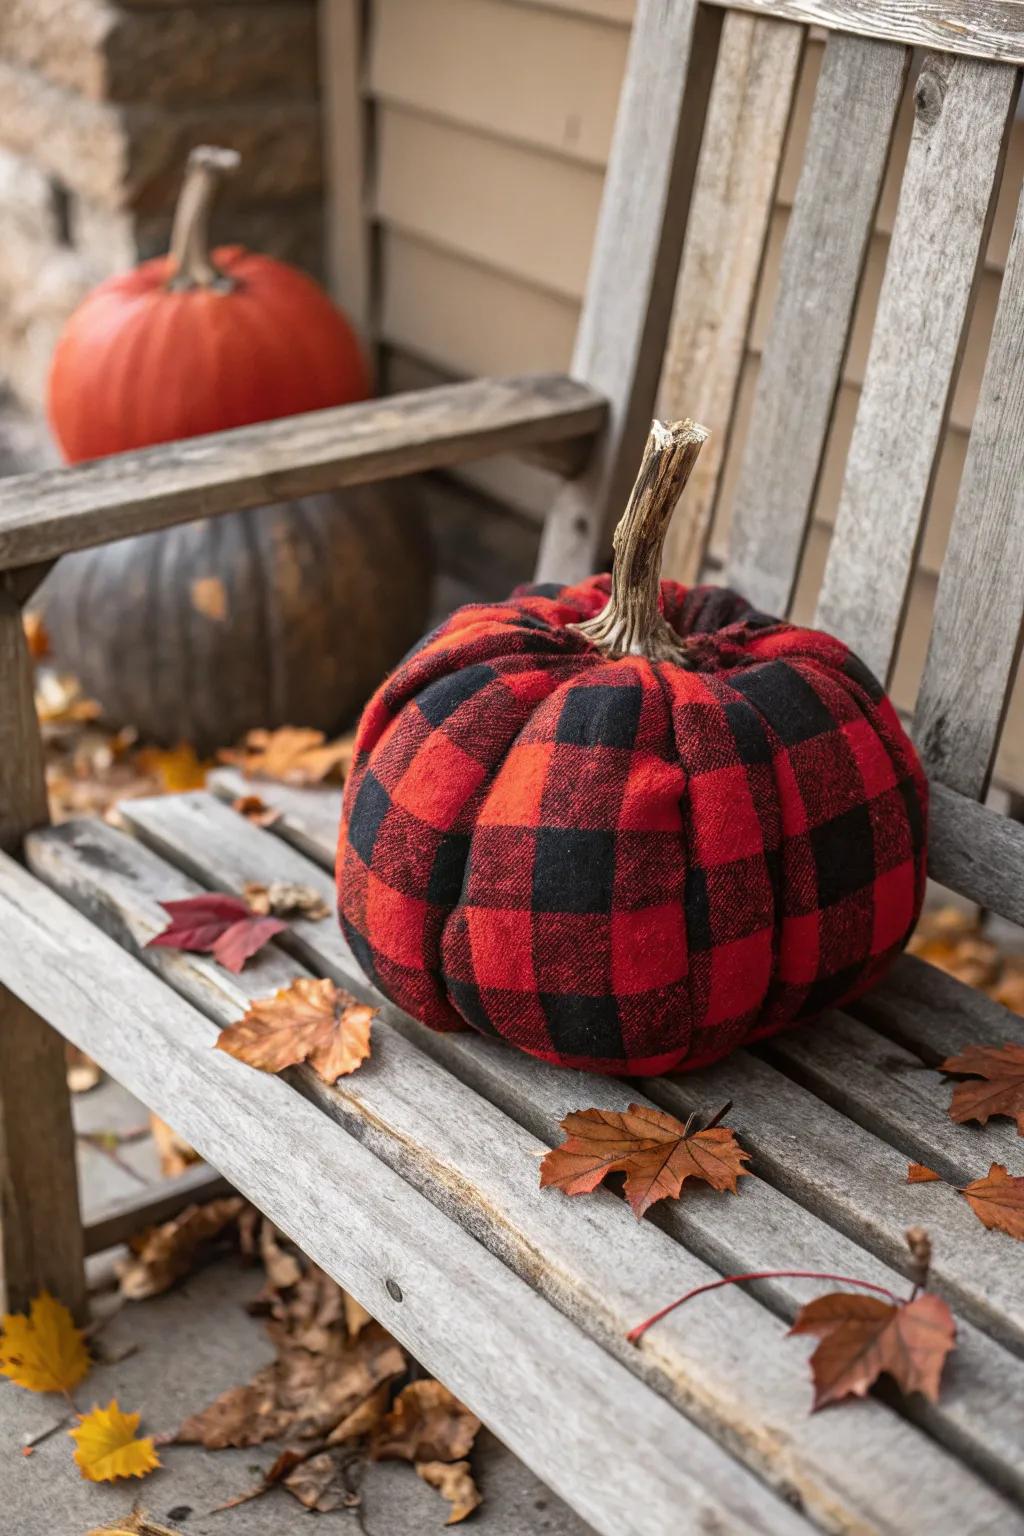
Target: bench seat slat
{"points": [[976, 631], [591, 1257], [50, 513], [625, 1459], [938, 244], [826, 243], [816, 1154], [936, 1015]]}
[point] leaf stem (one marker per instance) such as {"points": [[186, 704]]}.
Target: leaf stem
{"points": [[636, 1334]]}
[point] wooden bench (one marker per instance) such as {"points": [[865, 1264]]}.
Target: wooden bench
{"points": [[414, 1181]]}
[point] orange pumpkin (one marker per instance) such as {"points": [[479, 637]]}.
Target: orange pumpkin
{"points": [[196, 342]]}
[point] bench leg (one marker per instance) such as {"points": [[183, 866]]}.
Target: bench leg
{"points": [[41, 1240]]}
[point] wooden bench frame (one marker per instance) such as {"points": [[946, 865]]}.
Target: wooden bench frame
{"points": [[407, 1206]]}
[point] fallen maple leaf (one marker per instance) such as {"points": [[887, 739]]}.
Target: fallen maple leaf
{"points": [[426, 1423], [177, 768], [291, 755], [320, 1484], [285, 898], [656, 1152], [138, 1523], [1000, 1093], [225, 926], [43, 1352], [454, 1482], [108, 1447], [863, 1337], [998, 1201], [256, 809], [364, 1420], [310, 1020], [917, 1173], [164, 1254]]}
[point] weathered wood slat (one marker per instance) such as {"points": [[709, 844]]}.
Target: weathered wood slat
{"points": [[633, 268], [349, 234], [817, 1155], [310, 818], [979, 607], [119, 1220], [748, 115], [40, 1230], [977, 852], [932, 1013], [590, 1258], [963, 111], [823, 258], [422, 1275], [55, 511], [987, 29]]}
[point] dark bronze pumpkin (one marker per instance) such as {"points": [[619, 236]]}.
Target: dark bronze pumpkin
{"points": [[283, 615]]}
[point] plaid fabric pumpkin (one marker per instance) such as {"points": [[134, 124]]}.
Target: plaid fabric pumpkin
{"points": [[624, 865]]}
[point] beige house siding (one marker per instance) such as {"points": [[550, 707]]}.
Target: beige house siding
{"points": [[493, 120]]}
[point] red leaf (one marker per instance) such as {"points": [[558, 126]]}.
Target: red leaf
{"points": [[223, 925], [863, 1336]]}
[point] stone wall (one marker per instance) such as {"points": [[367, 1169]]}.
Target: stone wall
{"points": [[100, 103]]}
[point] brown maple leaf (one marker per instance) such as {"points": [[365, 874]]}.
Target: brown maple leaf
{"points": [[309, 1020], [863, 1337], [656, 1152], [998, 1201], [255, 809], [917, 1173], [1001, 1091], [426, 1423], [292, 756], [165, 1254]]}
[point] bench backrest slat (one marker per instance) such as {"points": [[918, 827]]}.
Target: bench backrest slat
{"points": [[851, 130], [744, 138], [979, 608], [947, 199]]}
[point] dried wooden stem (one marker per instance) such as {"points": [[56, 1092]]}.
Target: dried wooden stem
{"points": [[190, 235], [631, 623]]}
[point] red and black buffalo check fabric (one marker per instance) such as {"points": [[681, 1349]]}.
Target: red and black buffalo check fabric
{"points": [[622, 865]]}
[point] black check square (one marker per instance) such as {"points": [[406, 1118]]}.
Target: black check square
{"points": [[786, 700], [844, 855], [573, 871], [600, 716]]}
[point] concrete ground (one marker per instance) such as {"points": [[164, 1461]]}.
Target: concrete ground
{"points": [[169, 1357]]}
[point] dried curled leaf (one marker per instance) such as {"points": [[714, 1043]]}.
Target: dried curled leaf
{"points": [[292, 756], [284, 898], [255, 809], [426, 1423], [998, 1201], [314, 1021], [224, 926], [863, 1337], [319, 1484], [138, 1523], [36, 637], [108, 1446], [917, 1173], [1001, 1091], [164, 1254], [454, 1482], [652, 1148], [43, 1352]]}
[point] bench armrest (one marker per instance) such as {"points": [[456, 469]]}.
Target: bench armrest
{"points": [[45, 515]]}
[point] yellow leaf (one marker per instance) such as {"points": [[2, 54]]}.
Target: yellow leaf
{"points": [[108, 1448], [44, 1352], [178, 769]]}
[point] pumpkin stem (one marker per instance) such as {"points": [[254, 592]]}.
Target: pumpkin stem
{"points": [[190, 236], [631, 623]]}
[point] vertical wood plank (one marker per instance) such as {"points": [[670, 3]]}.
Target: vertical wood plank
{"points": [[633, 269], [346, 116], [748, 115], [979, 607], [41, 1242], [962, 114], [850, 135]]}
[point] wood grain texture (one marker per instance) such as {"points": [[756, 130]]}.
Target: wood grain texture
{"points": [[934, 1014], [120, 1220], [986, 29], [823, 258], [428, 1281], [975, 641], [345, 149], [48, 514], [40, 1229], [962, 113], [633, 267], [977, 852], [741, 153], [589, 1257]]}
